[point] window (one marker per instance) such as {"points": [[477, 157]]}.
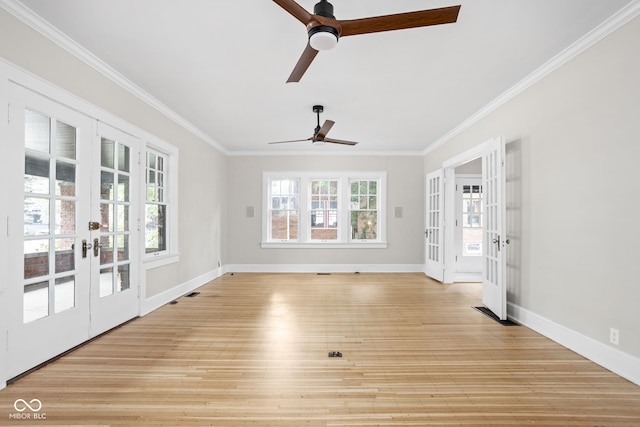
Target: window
{"points": [[160, 209], [332, 209], [284, 210], [364, 209], [472, 220], [324, 210], [155, 235]]}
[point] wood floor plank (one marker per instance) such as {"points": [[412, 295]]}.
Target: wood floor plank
{"points": [[252, 350]]}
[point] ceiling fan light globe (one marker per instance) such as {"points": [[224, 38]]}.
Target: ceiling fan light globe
{"points": [[318, 142], [323, 40]]}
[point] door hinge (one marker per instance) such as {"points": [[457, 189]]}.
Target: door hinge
{"points": [[138, 224], [139, 157], [9, 114]]}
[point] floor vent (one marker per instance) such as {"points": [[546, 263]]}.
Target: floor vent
{"points": [[324, 274], [491, 315], [192, 294], [335, 354], [174, 302]]}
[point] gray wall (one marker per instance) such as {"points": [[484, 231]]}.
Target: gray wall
{"points": [[405, 184], [203, 169], [572, 154]]}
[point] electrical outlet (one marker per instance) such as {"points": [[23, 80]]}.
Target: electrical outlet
{"points": [[614, 336]]}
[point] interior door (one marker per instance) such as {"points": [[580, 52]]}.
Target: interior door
{"points": [[494, 290], [434, 264], [114, 262], [48, 281]]}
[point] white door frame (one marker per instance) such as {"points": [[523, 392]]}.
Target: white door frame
{"points": [[449, 166]]}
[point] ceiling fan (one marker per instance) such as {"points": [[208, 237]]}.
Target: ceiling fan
{"points": [[324, 29], [320, 133]]}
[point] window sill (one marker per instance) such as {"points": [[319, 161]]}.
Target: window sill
{"points": [[323, 245], [160, 260]]}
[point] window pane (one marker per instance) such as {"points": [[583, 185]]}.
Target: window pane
{"points": [[36, 174], [123, 158], [106, 249], [123, 218], [65, 140], [106, 185], [364, 225], [65, 217], [36, 216], [122, 242], [123, 188], [36, 301], [37, 132], [155, 228], [284, 224], [106, 217], [65, 179], [151, 160], [36, 258], [107, 153], [65, 293], [122, 280], [64, 255], [106, 282]]}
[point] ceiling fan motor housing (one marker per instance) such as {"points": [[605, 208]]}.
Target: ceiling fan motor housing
{"points": [[324, 8]]}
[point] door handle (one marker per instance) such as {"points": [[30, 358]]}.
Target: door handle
{"points": [[85, 247], [497, 240], [96, 247]]}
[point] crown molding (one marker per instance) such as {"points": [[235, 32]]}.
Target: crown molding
{"points": [[30, 18], [617, 20]]}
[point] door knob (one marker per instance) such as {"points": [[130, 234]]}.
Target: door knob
{"points": [[96, 247]]}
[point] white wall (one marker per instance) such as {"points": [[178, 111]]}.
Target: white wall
{"points": [[572, 158], [405, 189]]}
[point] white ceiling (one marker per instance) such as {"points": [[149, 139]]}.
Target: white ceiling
{"points": [[222, 65]]}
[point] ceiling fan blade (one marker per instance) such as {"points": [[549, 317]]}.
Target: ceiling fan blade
{"points": [[302, 65], [293, 140], [326, 126], [295, 10], [339, 141], [400, 21]]}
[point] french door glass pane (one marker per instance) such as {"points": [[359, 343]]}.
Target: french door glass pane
{"points": [[36, 301], [36, 174], [106, 185], [123, 188], [106, 217], [106, 282], [106, 251], [65, 179], [64, 255], [36, 258], [65, 291], [65, 140], [107, 153], [65, 216], [37, 132], [123, 158], [123, 282], [36, 216]]}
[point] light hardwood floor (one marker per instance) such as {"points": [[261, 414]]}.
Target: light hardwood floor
{"points": [[252, 350]]}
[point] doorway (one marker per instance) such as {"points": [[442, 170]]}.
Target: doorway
{"points": [[468, 223]]}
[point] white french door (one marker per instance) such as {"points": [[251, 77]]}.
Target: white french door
{"points": [[494, 294], [115, 240], [59, 187], [434, 264]]}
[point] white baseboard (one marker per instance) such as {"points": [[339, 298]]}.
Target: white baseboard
{"points": [[153, 303], [467, 277], [619, 362], [325, 268]]}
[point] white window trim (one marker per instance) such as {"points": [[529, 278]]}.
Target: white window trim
{"points": [[172, 253], [344, 238]]}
